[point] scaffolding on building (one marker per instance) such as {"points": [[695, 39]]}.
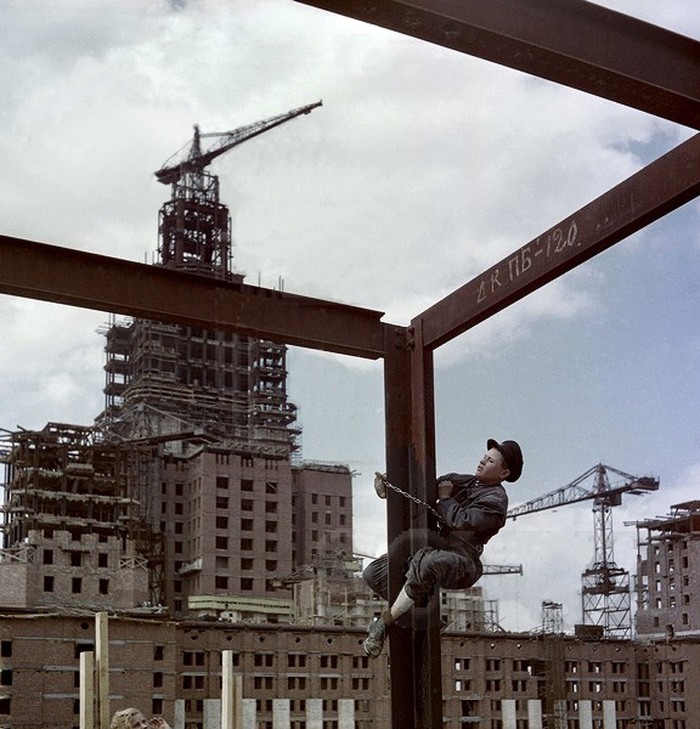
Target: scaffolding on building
{"points": [[231, 386], [66, 478], [63, 477]]}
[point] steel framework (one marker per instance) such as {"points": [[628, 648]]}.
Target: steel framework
{"points": [[570, 42]]}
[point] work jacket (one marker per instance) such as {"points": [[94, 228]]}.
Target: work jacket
{"points": [[473, 514]]}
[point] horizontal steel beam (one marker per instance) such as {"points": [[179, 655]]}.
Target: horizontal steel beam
{"points": [[651, 193], [91, 281], [571, 42]]}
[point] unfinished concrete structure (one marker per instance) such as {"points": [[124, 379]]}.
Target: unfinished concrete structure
{"points": [[97, 519], [668, 573], [190, 475], [71, 528]]}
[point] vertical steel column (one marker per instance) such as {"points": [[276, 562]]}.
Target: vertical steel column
{"points": [[415, 661], [397, 397], [426, 630]]}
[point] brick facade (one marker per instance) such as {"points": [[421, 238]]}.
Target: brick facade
{"points": [[157, 665]]}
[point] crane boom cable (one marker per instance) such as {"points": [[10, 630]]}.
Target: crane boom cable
{"points": [[197, 160], [573, 493]]}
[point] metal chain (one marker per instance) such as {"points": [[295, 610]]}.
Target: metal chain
{"points": [[410, 497]]}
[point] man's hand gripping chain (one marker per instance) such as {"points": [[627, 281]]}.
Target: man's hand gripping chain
{"points": [[381, 483]]}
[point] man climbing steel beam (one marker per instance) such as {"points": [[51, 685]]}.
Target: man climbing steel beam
{"points": [[470, 509]]}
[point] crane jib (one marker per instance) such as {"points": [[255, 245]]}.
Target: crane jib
{"points": [[197, 160]]}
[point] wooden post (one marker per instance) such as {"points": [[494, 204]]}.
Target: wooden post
{"points": [[102, 670], [231, 694], [87, 690]]}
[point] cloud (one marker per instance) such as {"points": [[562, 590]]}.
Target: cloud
{"points": [[51, 360]]}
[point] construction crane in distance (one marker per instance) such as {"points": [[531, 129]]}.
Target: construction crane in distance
{"points": [[197, 160], [194, 227], [605, 591]]}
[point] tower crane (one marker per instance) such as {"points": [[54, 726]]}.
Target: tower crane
{"points": [[197, 161], [194, 227], [605, 591]]}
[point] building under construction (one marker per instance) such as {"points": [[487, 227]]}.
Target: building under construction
{"points": [[187, 488], [668, 573], [186, 512]]}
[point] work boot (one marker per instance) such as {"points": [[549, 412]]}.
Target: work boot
{"points": [[376, 635]]}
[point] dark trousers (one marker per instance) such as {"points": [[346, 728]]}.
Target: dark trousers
{"points": [[436, 564]]}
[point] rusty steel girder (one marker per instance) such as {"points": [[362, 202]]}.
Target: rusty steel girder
{"points": [[571, 42], [662, 186], [92, 281]]}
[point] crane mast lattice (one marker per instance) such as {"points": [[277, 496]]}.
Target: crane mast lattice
{"points": [[605, 593], [194, 227]]}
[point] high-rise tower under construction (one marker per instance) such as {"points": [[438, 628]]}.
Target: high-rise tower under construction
{"points": [[203, 502]]}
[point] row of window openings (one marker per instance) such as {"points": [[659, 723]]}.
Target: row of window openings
{"points": [[677, 706], [295, 706], [474, 707], [671, 602], [222, 483], [222, 582], [76, 585], [299, 705], [671, 565], [222, 503], [76, 558], [572, 707], [247, 544], [294, 683], [222, 522], [299, 660], [223, 543], [198, 657], [520, 665], [267, 660], [685, 619], [674, 667], [518, 684], [271, 487], [669, 548], [492, 664], [245, 504], [671, 583], [75, 533], [214, 355]]}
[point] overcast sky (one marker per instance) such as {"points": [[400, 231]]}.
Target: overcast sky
{"points": [[422, 168]]}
